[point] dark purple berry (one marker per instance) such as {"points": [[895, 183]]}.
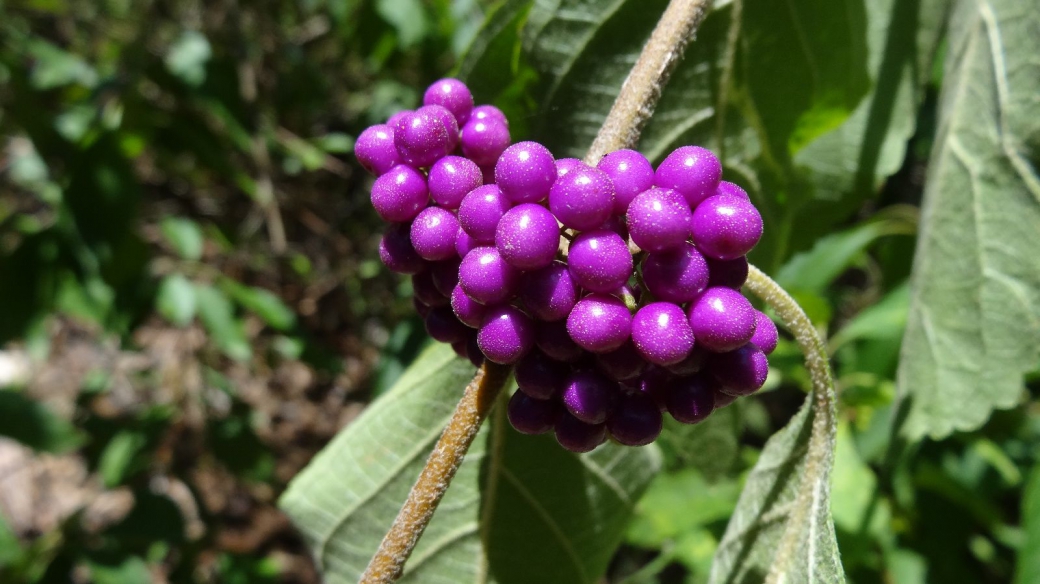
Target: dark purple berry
{"points": [[623, 363], [659, 219], [549, 293], [678, 275], [528, 236], [635, 421], [599, 323], [729, 273], [554, 340], [486, 277], [693, 362], [375, 149], [426, 291], [577, 436], [445, 275], [726, 227], [583, 198], [444, 327], [452, 178], [531, 416], [589, 396], [599, 261], [722, 319], [723, 399], [631, 174], [506, 335], [661, 333], [656, 383], [400, 194], [740, 372], [396, 251], [691, 399], [692, 171], [539, 376], [421, 308], [525, 172], [766, 336]]}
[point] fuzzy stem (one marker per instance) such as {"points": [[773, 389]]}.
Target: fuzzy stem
{"points": [[820, 455], [642, 88], [444, 461]]}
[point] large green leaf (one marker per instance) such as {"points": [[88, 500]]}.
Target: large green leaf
{"points": [[974, 323], [520, 509], [782, 523], [1027, 569]]}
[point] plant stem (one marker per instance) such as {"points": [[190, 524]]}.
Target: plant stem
{"points": [[444, 461], [820, 455], [642, 88]]}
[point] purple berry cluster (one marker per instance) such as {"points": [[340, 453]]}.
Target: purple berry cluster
{"points": [[614, 289]]}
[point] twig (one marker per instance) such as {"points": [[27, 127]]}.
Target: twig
{"points": [[447, 455], [641, 90], [820, 455]]}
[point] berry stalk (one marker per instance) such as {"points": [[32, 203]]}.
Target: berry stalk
{"points": [[444, 461], [642, 88]]}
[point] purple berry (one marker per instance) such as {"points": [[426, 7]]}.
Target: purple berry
{"points": [[726, 227], [528, 236], [486, 277], [659, 219], [468, 311], [565, 165], [400, 194], [396, 251], [722, 319], [506, 335], [487, 113], [740, 372], [525, 171], [433, 234], [589, 396], [677, 275], [452, 95], [583, 198], [728, 188], [692, 171], [375, 149], [662, 333], [766, 336], [421, 308], [452, 178], [599, 261], [691, 399], [421, 138], [631, 174], [723, 399], [549, 293], [623, 363], [554, 340], [656, 383], [445, 275], [464, 243], [476, 356], [577, 436], [396, 117], [488, 174], [616, 223], [729, 273], [599, 323], [636, 421], [531, 416], [451, 126], [444, 327], [693, 362], [539, 376], [461, 348], [426, 291], [484, 140], [481, 210]]}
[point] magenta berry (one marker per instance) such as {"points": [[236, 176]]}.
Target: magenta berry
{"points": [[452, 95], [480, 212], [421, 137], [506, 335], [766, 336], [525, 172], [599, 323], [400, 194], [549, 293], [484, 140], [433, 234], [451, 178], [531, 416], [740, 372], [676, 275], [375, 149], [661, 333], [659, 219], [396, 251], [469, 312], [451, 126], [578, 436], [691, 399], [464, 243], [583, 198], [589, 396], [728, 188], [486, 277], [599, 261], [692, 171], [539, 376], [528, 236], [636, 420], [726, 227], [631, 174], [565, 165], [486, 113], [722, 319]]}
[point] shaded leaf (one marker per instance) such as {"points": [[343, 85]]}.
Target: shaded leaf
{"points": [[218, 317], [680, 502], [264, 303], [1027, 568], [711, 446], [35, 425], [974, 323]]}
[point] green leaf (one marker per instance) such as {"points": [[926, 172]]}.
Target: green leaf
{"points": [[711, 446], [119, 455], [408, 17], [176, 300], [10, 547], [787, 495], [974, 321], [184, 236], [264, 303], [218, 317], [680, 502], [54, 67], [1027, 568], [520, 509], [35, 425], [188, 56]]}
